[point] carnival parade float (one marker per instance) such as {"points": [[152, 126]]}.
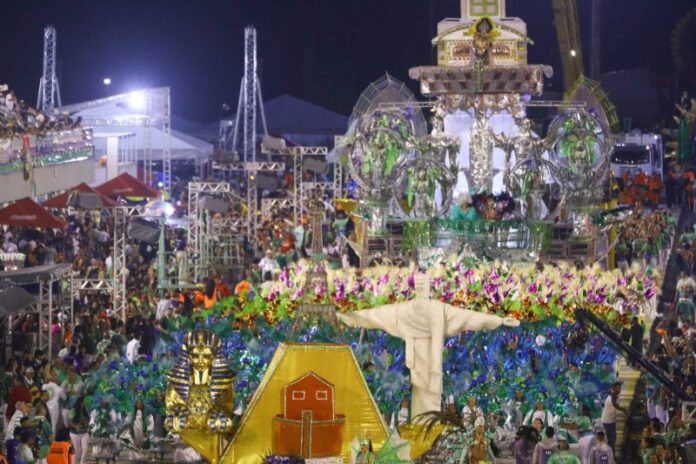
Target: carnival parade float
{"points": [[325, 365]]}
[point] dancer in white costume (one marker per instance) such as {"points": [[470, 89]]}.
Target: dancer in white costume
{"points": [[423, 323]]}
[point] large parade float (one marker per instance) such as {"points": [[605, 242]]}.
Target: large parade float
{"points": [[481, 244]]}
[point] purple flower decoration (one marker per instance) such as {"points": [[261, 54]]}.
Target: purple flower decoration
{"points": [[411, 281], [649, 293], [298, 293], [532, 288]]}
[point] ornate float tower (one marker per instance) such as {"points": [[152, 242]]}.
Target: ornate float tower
{"points": [[482, 70]]}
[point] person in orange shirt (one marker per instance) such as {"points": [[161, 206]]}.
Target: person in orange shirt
{"points": [[206, 299], [627, 194], [221, 288], [640, 181], [691, 190], [654, 189]]}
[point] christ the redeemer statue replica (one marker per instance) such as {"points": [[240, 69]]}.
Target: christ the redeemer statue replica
{"points": [[424, 323]]}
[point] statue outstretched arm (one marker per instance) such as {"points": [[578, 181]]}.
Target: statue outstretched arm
{"points": [[460, 320], [383, 318]]}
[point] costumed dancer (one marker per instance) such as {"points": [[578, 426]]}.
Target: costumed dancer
{"points": [[366, 455], [472, 414], [686, 288], [525, 441], [479, 449], [401, 418], [545, 448], [502, 438], [139, 426], [540, 413], [563, 455], [465, 210], [79, 430], [601, 452], [515, 411], [44, 431], [104, 423], [55, 396]]}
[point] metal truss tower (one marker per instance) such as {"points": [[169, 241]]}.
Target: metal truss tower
{"points": [[250, 85], [49, 91], [249, 100]]}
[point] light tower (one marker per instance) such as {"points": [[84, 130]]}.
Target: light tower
{"points": [[49, 91], [249, 99]]}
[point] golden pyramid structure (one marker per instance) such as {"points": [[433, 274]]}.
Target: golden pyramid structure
{"points": [[352, 398]]}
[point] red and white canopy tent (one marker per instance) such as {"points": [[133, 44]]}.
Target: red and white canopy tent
{"points": [[62, 201], [126, 185], [28, 213]]}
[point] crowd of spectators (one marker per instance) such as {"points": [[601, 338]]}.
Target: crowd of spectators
{"points": [[44, 400], [18, 119]]}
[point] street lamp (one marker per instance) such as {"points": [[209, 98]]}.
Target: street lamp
{"points": [[107, 81]]}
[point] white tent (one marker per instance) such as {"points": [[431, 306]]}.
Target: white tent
{"points": [[126, 113], [182, 146]]}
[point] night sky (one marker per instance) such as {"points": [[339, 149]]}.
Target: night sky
{"points": [[325, 51]]}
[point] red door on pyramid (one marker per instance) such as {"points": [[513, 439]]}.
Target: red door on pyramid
{"points": [[309, 393], [308, 426]]}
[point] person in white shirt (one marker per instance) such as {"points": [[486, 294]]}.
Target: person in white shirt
{"points": [[24, 452], [611, 405], [103, 236], [163, 306], [401, 417], [540, 413], [108, 265], [55, 395], [22, 409], [64, 351], [133, 348], [268, 265], [139, 426]]}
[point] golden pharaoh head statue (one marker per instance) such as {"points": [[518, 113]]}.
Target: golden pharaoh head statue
{"points": [[201, 347], [201, 357]]}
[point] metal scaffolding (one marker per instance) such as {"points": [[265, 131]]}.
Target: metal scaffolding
{"points": [[304, 192], [214, 240], [250, 85], [45, 277], [250, 101], [252, 170], [120, 270], [49, 90]]}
